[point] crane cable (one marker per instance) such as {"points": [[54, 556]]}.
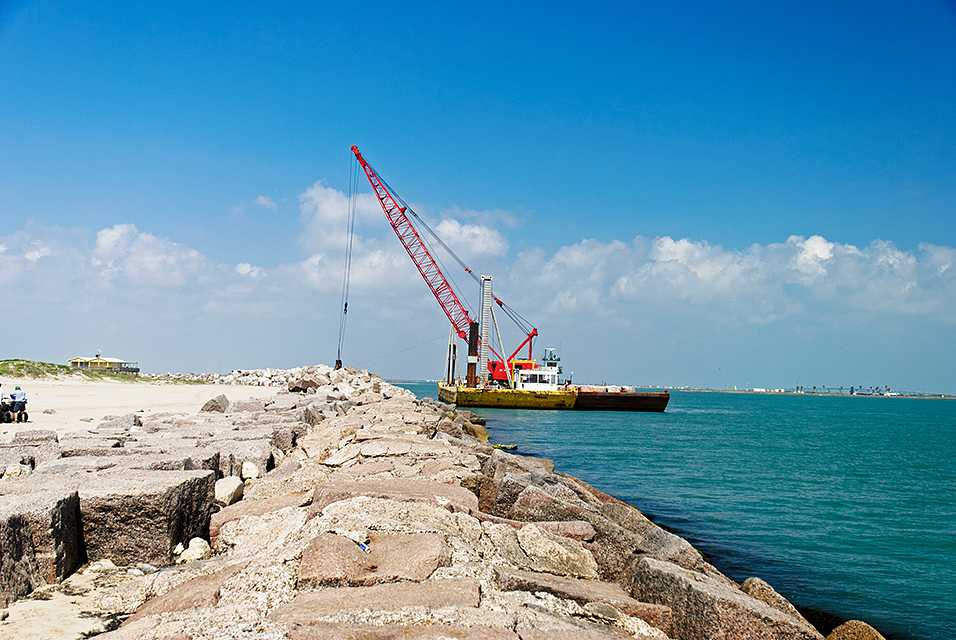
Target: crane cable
{"points": [[349, 228], [521, 322]]}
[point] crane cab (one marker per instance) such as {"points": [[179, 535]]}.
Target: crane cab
{"points": [[540, 379]]}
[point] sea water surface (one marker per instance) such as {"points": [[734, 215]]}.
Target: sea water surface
{"points": [[844, 504]]}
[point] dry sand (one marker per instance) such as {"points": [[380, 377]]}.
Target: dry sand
{"points": [[62, 405]]}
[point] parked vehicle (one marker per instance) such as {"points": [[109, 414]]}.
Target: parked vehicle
{"points": [[9, 413]]}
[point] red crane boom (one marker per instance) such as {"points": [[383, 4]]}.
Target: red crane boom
{"points": [[394, 209]]}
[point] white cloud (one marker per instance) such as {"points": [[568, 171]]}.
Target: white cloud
{"points": [[471, 239], [759, 285], [246, 269], [486, 218], [39, 251], [124, 253], [590, 292], [813, 254], [324, 214], [266, 202], [112, 243]]}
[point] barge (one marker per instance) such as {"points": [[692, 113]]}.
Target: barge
{"points": [[578, 398], [538, 387]]}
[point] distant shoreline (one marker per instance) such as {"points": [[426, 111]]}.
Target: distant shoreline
{"points": [[768, 392]]}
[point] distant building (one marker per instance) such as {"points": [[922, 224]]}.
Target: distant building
{"points": [[99, 363]]}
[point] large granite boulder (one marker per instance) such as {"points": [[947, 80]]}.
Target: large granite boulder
{"points": [[583, 592], [451, 496], [251, 507], [309, 606], [621, 530], [40, 540], [19, 574], [140, 516], [332, 560], [757, 588], [705, 608], [218, 404], [855, 630]]}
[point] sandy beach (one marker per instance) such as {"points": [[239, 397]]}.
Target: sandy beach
{"points": [[68, 405]]}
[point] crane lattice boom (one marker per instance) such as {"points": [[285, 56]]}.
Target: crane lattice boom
{"points": [[394, 210]]}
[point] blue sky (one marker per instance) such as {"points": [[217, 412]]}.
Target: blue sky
{"points": [[751, 194]]}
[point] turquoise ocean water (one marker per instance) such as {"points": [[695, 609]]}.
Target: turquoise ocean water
{"points": [[844, 504]]}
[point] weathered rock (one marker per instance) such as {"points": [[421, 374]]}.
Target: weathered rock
{"points": [[249, 470], [255, 508], [579, 530], [219, 404], [72, 447], [345, 454], [198, 549], [198, 592], [855, 630], [291, 476], [501, 463], [303, 385], [757, 588], [313, 414], [337, 631], [154, 510], [617, 538], [706, 608], [171, 458], [451, 496], [436, 566], [536, 622], [19, 574], [606, 633], [53, 518], [476, 430], [283, 438], [450, 427], [44, 445], [246, 406], [284, 402], [370, 468], [314, 605], [332, 560], [119, 424], [511, 486], [554, 554], [229, 490], [233, 454], [16, 470], [584, 592], [379, 514]]}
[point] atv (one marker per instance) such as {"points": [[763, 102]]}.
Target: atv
{"points": [[8, 412]]}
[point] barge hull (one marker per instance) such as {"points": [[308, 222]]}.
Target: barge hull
{"points": [[507, 398], [622, 401], [572, 398]]}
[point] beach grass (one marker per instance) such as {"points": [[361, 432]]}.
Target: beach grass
{"points": [[29, 369]]}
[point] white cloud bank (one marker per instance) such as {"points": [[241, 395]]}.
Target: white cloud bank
{"points": [[159, 296]]}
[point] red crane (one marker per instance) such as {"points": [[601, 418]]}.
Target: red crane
{"points": [[395, 210]]}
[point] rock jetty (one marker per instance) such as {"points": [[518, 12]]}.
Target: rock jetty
{"points": [[344, 507]]}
